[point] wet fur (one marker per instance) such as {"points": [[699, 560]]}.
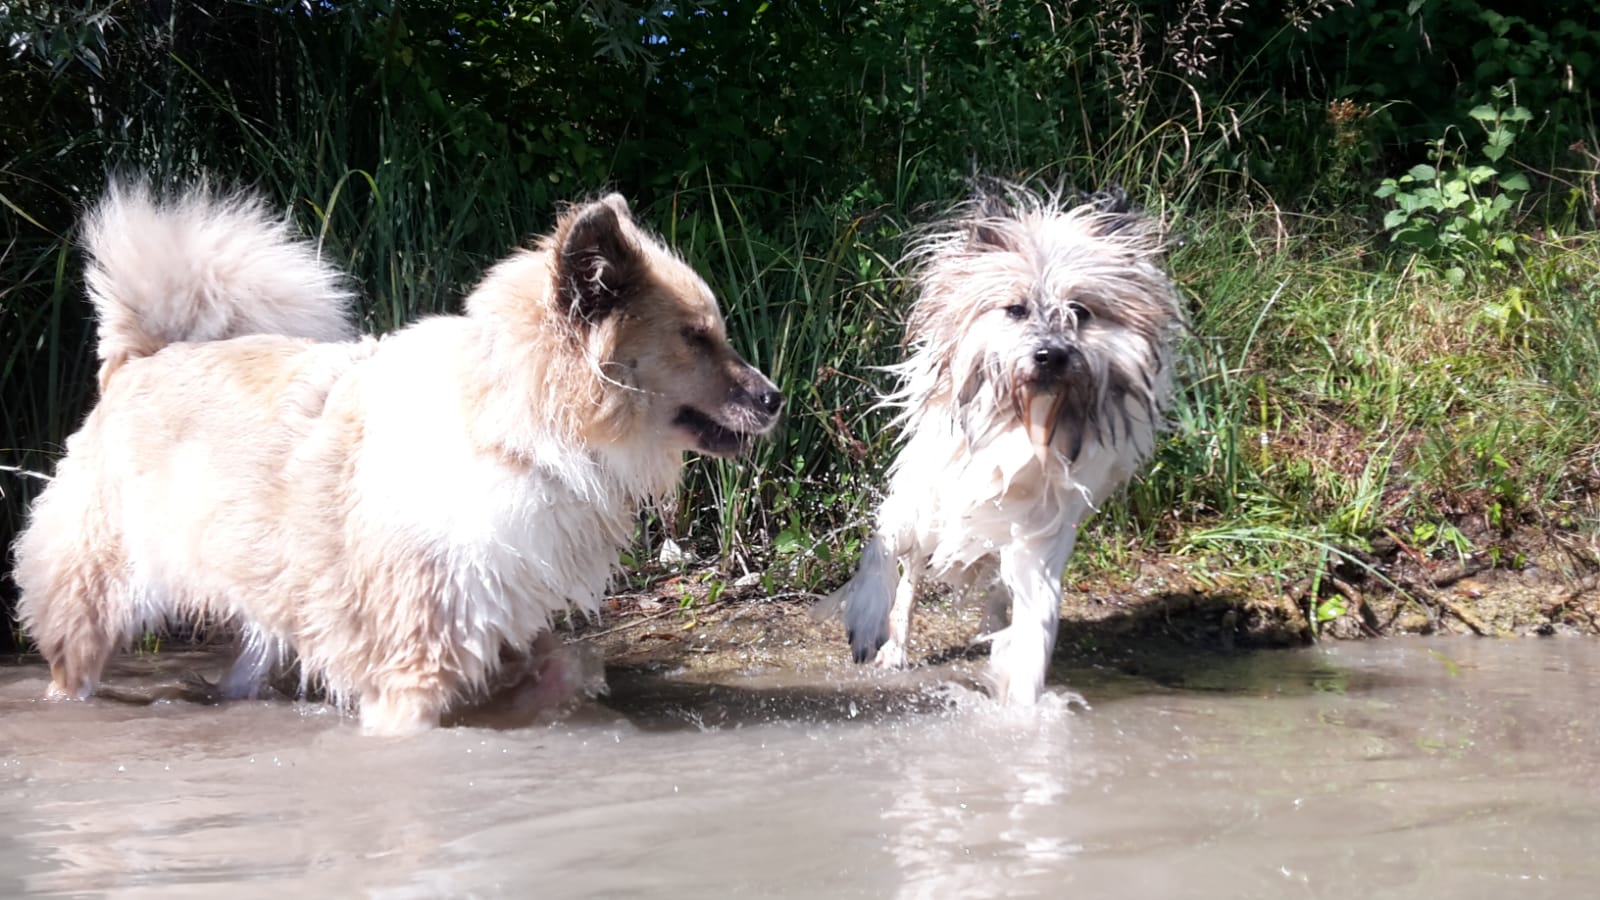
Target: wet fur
{"points": [[398, 514], [1020, 295]]}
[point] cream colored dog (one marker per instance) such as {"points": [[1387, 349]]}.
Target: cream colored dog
{"points": [[395, 513]]}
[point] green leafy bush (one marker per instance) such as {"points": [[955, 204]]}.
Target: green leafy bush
{"points": [[1450, 207]]}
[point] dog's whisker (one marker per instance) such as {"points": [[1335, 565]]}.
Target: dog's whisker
{"points": [[26, 473], [599, 366]]}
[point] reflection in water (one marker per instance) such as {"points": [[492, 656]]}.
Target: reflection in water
{"points": [[984, 822], [1381, 770]]}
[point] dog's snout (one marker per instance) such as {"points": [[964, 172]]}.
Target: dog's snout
{"points": [[1052, 357], [755, 392]]}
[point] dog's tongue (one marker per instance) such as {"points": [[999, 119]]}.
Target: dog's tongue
{"points": [[1039, 420]]}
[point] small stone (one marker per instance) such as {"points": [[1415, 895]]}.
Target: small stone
{"points": [[673, 555], [1344, 628]]}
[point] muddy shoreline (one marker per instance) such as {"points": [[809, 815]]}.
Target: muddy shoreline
{"points": [[1165, 603], [687, 628]]}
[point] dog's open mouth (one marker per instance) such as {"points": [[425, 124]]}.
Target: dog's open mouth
{"points": [[710, 437], [1046, 405], [1041, 413]]}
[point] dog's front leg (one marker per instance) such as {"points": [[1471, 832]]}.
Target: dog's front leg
{"points": [[1021, 652], [892, 655], [397, 711], [404, 695], [877, 602]]}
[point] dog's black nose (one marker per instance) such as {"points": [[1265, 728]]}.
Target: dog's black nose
{"points": [[1052, 357], [770, 401]]}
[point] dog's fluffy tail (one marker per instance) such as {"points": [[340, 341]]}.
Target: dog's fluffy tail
{"points": [[202, 267]]}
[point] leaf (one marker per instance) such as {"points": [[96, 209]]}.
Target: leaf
{"points": [[18, 210], [787, 542], [1330, 609], [1516, 181], [1484, 113], [1418, 234], [1423, 172], [1394, 218]]}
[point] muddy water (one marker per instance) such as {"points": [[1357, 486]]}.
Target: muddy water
{"points": [[1436, 768]]}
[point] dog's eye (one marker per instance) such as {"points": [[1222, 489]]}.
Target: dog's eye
{"points": [[1017, 311], [699, 337], [1080, 313]]}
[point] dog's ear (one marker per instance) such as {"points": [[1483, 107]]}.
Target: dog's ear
{"points": [[1117, 210], [598, 260], [989, 208]]}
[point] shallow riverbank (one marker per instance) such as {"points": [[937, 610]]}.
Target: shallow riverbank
{"points": [[1162, 601]]}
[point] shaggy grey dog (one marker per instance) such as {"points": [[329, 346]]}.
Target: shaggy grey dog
{"points": [[1038, 374]]}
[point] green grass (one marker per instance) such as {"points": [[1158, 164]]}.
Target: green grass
{"points": [[1337, 392], [816, 312], [1330, 391]]}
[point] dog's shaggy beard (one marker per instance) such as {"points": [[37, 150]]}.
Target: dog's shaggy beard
{"points": [[1037, 377]]}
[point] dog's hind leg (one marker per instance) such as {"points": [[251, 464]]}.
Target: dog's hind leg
{"points": [[259, 654], [77, 655], [75, 614], [994, 600], [1021, 652], [74, 604], [996, 611]]}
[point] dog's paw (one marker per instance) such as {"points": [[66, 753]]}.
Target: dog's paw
{"points": [[1017, 689], [892, 655], [863, 646]]}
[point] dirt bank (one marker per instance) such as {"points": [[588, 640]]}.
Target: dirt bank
{"points": [[1163, 607], [1163, 601]]}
